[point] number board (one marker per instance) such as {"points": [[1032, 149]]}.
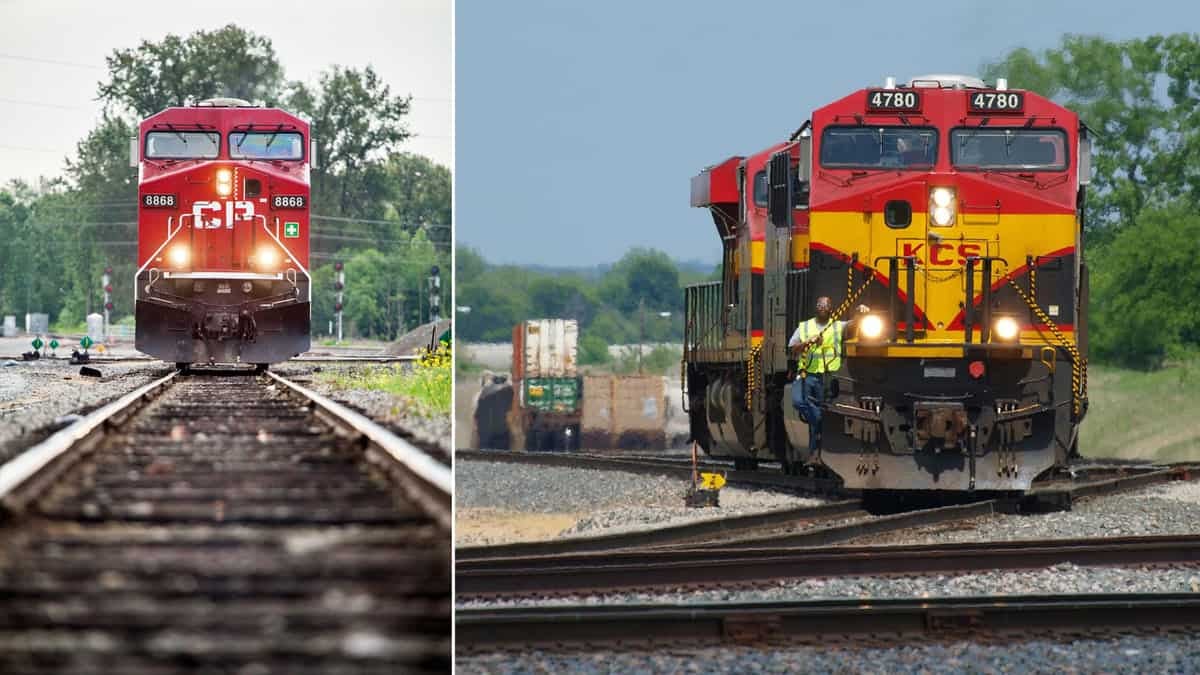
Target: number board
{"points": [[893, 100], [996, 101], [159, 201], [288, 202]]}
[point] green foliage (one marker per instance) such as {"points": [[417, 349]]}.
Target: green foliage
{"points": [[659, 360], [226, 62], [593, 350], [1139, 315], [1136, 414], [608, 306], [425, 389]]}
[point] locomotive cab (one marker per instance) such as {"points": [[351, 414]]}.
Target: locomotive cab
{"points": [[223, 234]]}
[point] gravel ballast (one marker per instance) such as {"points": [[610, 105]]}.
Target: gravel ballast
{"points": [[600, 501], [33, 394], [1126, 654], [1171, 508]]}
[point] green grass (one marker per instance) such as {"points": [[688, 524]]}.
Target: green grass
{"points": [[424, 389], [1143, 415]]}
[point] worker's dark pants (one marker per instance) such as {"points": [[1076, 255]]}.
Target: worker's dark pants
{"points": [[807, 395]]}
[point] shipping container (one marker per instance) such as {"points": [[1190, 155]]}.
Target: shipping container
{"points": [[624, 411], [545, 348], [551, 394]]}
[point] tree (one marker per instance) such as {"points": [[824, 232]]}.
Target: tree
{"points": [[228, 62], [643, 274], [357, 123], [1138, 315]]}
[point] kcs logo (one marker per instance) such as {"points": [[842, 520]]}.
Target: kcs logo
{"points": [[205, 215], [943, 254]]}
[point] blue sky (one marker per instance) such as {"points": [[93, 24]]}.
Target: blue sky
{"points": [[579, 125]]}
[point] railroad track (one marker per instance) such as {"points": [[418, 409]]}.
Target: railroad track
{"points": [[224, 523], [651, 570], [779, 528], [857, 622]]}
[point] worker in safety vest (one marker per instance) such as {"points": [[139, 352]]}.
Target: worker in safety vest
{"points": [[817, 343]]}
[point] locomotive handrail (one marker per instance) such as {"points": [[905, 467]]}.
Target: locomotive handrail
{"points": [[157, 251], [289, 254]]}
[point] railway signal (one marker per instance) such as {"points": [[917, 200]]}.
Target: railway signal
{"points": [[339, 285], [435, 294]]}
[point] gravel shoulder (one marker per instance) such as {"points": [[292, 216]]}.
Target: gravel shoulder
{"points": [[1128, 654], [34, 394], [500, 503]]}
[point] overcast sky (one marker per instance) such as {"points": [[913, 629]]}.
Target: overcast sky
{"points": [[580, 124], [45, 108]]}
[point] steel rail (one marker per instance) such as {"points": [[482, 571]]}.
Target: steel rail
{"points": [[672, 534], [658, 569], [664, 467], [430, 481], [819, 622], [23, 477]]}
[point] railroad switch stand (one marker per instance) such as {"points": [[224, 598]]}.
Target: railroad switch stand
{"points": [[705, 490]]}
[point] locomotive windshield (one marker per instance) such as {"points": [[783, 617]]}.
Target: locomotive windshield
{"points": [[878, 147], [266, 145], [182, 144], [1009, 149]]}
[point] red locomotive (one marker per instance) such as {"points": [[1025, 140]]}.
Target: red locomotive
{"points": [[223, 234]]}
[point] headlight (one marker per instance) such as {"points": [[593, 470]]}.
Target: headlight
{"points": [[267, 257], [871, 326], [1007, 328], [179, 255], [941, 206], [224, 182]]}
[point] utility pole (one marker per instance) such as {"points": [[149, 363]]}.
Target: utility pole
{"points": [[339, 285], [642, 332], [106, 281]]}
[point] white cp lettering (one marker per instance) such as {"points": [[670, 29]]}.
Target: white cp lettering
{"points": [[205, 215]]}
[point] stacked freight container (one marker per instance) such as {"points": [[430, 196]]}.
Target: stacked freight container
{"points": [[546, 409]]}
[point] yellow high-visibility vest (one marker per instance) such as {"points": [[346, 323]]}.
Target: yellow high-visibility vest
{"points": [[826, 355]]}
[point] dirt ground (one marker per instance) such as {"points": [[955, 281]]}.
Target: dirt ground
{"points": [[484, 526]]}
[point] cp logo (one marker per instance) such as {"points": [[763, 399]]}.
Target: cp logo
{"points": [[206, 215]]}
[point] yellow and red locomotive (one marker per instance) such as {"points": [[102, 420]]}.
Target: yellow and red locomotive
{"points": [[954, 211], [223, 234]]}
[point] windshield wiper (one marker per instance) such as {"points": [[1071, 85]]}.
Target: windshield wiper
{"points": [[176, 132], [272, 138]]}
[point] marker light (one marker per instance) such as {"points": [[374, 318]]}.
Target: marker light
{"points": [[267, 257], [224, 182], [941, 206], [179, 255], [1007, 328], [871, 326]]}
